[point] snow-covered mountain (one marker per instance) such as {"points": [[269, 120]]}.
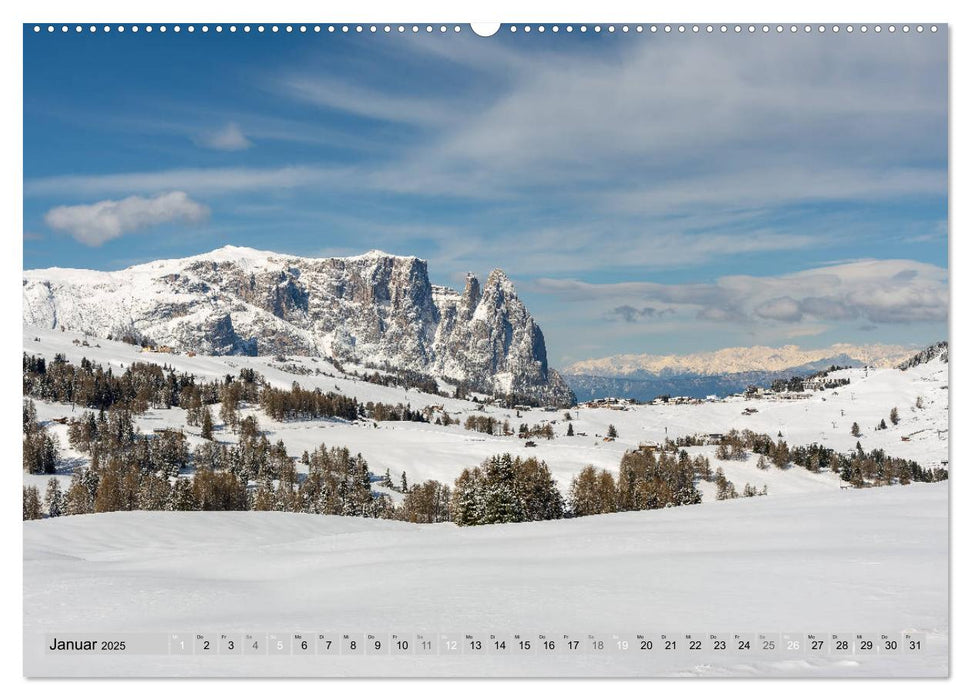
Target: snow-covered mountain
{"points": [[722, 372], [374, 309], [758, 358]]}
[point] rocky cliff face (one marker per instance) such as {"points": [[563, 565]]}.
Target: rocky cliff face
{"points": [[374, 309]]}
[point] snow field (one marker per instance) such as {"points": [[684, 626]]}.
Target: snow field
{"points": [[873, 560]]}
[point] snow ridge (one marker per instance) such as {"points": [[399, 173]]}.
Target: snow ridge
{"points": [[937, 350]]}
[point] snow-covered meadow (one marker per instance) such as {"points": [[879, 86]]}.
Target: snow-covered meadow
{"points": [[427, 451], [809, 558], [870, 561]]}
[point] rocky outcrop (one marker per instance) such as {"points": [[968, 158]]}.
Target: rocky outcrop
{"points": [[374, 309]]}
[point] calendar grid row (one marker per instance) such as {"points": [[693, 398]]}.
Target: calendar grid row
{"points": [[492, 644]]}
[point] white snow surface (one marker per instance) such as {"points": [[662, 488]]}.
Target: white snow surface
{"points": [[808, 558], [868, 561]]}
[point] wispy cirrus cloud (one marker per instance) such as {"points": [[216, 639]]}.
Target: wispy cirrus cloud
{"points": [[94, 224], [661, 125], [228, 138], [197, 181], [382, 105]]}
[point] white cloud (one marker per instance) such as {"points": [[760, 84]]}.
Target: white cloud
{"points": [[875, 291], [94, 224], [228, 138], [668, 126], [780, 309]]}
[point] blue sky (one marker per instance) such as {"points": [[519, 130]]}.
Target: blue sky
{"points": [[646, 192]]}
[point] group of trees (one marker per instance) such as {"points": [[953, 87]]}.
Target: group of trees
{"points": [[825, 384], [647, 480], [129, 470], [816, 381], [397, 412], [725, 489], [112, 434], [543, 430], [819, 381], [337, 483], [486, 424], [737, 445], [859, 468], [405, 379], [894, 419], [794, 384], [492, 426], [41, 448], [876, 468], [308, 404], [428, 502], [938, 349], [504, 489], [142, 386]]}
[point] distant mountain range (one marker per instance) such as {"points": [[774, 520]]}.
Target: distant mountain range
{"points": [[726, 371], [381, 310], [375, 309]]}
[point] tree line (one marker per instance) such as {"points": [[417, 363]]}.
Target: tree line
{"points": [[858, 467], [144, 385]]}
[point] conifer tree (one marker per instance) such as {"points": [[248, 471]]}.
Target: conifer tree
{"points": [[894, 416], [30, 416], [53, 498], [182, 496], [108, 497], [79, 499], [500, 504], [32, 506], [153, 492], [569, 430], [590, 492], [467, 497], [726, 489], [206, 431], [427, 502], [536, 490]]}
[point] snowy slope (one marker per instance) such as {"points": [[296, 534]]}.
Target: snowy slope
{"points": [[426, 451], [869, 561]]}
